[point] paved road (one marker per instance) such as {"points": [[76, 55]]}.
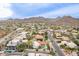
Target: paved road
{"points": [[14, 54], [25, 53], [54, 44], [36, 52]]}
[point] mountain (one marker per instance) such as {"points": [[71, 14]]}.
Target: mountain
{"points": [[65, 20]]}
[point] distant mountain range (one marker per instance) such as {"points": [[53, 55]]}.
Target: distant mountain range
{"points": [[65, 20]]}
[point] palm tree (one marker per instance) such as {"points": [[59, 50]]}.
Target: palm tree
{"points": [[29, 43]]}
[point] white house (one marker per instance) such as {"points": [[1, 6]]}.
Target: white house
{"points": [[13, 43]]}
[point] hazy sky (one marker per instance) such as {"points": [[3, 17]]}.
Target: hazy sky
{"points": [[19, 10]]}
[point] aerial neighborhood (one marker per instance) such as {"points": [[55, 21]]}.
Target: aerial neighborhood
{"points": [[35, 37]]}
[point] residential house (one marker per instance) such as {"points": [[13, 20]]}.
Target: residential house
{"points": [[11, 46]]}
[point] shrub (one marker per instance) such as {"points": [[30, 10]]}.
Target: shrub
{"points": [[21, 47]]}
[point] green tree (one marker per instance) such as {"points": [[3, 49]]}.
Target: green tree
{"points": [[72, 49], [52, 52], [76, 42], [77, 36], [46, 35], [62, 46], [21, 47], [33, 32]]}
